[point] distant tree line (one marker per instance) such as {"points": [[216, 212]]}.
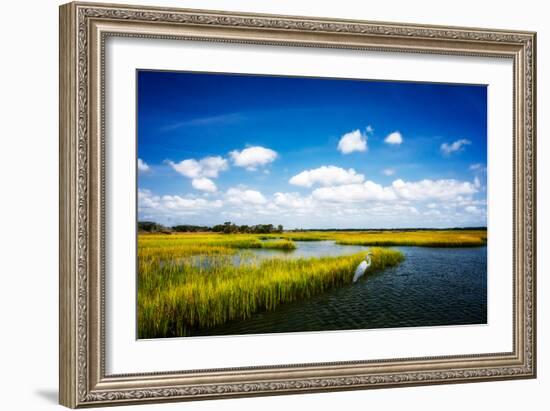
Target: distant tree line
{"points": [[230, 228], [152, 227], [227, 228]]}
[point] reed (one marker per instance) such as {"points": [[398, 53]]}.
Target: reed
{"points": [[179, 296]]}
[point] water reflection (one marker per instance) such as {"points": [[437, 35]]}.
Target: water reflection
{"points": [[304, 249]]}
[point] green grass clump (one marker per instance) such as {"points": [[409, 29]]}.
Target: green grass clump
{"points": [[284, 244], [176, 297]]}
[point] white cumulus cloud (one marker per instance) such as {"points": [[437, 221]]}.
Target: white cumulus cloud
{"points": [[245, 196], [156, 207], [433, 189], [201, 171], [326, 176], [353, 141], [438, 203], [253, 157], [474, 210], [175, 202], [350, 193], [458, 145], [204, 184], [394, 138], [293, 200], [146, 199], [207, 167], [441, 190]]}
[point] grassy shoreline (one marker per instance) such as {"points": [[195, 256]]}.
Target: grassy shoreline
{"points": [[176, 297]]}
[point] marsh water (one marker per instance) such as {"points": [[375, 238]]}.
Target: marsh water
{"points": [[432, 286]]}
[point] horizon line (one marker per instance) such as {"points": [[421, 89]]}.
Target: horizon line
{"points": [[328, 229]]}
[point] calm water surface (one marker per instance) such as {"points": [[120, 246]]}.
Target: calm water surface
{"points": [[433, 286]]}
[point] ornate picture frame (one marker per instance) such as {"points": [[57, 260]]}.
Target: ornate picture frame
{"points": [[84, 28]]}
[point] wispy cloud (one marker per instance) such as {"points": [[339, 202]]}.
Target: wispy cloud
{"points": [[173, 205], [459, 145], [478, 167], [230, 118], [388, 171], [142, 166]]}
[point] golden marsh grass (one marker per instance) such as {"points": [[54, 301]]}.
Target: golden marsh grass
{"points": [[177, 296], [420, 238]]}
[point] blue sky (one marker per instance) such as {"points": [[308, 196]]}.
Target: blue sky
{"points": [[309, 152]]}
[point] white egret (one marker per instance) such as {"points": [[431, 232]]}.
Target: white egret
{"points": [[361, 268]]}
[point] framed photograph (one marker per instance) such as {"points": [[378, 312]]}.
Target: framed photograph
{"points": [[260, 204]]}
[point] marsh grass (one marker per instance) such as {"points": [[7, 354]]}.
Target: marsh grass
{"points": [[184, 245], [473, 238], [176, 298], [420, 238], [283, 244]]}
